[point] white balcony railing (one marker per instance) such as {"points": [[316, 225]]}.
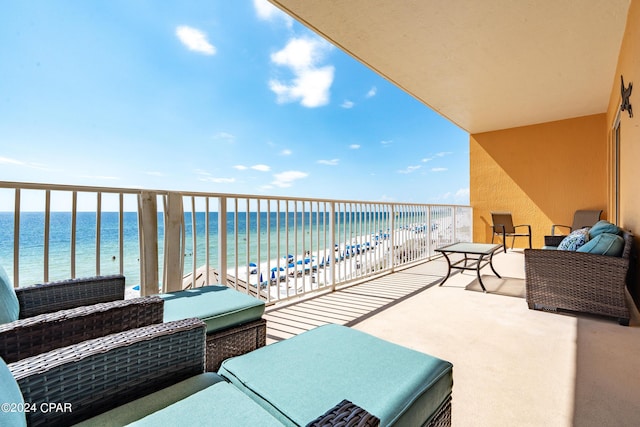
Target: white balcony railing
{"points": [[274, 248]]}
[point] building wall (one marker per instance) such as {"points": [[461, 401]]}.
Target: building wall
{"points": [[629, 67], [541, 173]]}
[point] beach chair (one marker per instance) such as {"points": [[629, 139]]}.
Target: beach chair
{"points": [[502, 225], [581, 219]]}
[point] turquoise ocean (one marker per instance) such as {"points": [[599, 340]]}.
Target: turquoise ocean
{"points": [[305, 230]]}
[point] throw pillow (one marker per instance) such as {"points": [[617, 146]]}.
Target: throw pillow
{"points": [[604, 244], [603, 226], [573, 241], [9, 306]]}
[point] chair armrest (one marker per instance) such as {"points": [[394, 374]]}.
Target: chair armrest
{"points": [[45, 332], [98, 375], [71, 293], [347, 414], [523, 225], [553, 228]]}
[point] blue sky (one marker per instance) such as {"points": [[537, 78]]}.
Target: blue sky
{"points": [[214, 96]]}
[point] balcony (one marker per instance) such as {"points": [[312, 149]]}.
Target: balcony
{"points": [[512, 366]]}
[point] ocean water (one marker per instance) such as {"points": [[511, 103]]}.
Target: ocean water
{"points": [[308, 231]]}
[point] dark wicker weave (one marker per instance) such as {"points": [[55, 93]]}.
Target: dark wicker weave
{"points": [[98, 375], [45, 332], [579, 281], [234, 341], [442, 417], [65, 294], [346, 414]]}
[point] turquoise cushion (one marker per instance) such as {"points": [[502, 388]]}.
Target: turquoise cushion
{"points": [[300, 378], [10, 395], [9, 306], [218, 306], [603, 226], [575, 240], [220, 405], [604, 244]]}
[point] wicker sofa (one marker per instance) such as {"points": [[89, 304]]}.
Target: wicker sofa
{"points": [[580, 282]]}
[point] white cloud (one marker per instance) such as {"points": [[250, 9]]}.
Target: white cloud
{"points": [[195, 40], [443, 153], [463, 193], [286, 179], [261, 168], [347, 104], [268, 12], [155, 173], [219, 180], [7, 160], [240, 167], [354, 146], [460, 196], [426, 159], [438, 169], [101, 177], [225, 136], [310, 84], [332, 162], [386, 142], [410, 169], [286, 152], [372, 92]]}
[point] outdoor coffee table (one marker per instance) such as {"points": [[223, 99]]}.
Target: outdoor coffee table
{"points": [[476, 256]]}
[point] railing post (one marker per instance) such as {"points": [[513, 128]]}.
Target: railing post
{"points": [[455, 225], [332, 249], [222, 240], [392, 238], [173, 265], [16, 239], [148, 214]]}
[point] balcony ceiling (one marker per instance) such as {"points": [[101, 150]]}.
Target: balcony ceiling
{"points": [[484, 65]]}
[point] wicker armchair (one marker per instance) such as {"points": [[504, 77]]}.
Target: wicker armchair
{"points": [[71, 293], [97, 375], [44, 332], [577, 281]]}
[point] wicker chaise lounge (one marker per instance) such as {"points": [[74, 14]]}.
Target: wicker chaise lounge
{"points": [[143, 376], [581, 282]]}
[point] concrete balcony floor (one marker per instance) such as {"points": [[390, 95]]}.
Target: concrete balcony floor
{"points": [[512, 366]]}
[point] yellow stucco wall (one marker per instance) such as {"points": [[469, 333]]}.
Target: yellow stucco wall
{"points": [[541, 173]]}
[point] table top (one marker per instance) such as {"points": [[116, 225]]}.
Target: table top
{"points": [[470, 248]]}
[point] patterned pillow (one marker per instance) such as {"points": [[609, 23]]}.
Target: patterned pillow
{"points": [[574, 240]]}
